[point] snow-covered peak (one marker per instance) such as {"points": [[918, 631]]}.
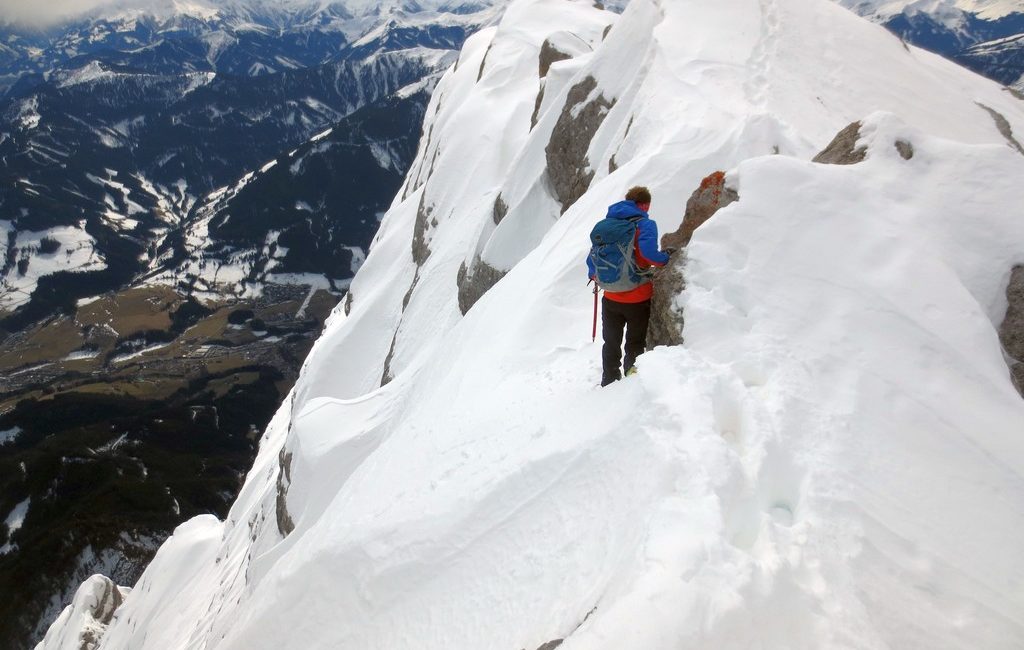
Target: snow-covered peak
{"points": [[986, 9], [284, 11], [833, 458]]}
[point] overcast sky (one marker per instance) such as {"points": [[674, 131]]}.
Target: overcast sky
{"points": [[47, 11]]}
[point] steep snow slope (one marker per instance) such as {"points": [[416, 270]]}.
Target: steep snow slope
{"points": [[833, 459]]}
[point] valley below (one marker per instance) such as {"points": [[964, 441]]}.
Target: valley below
{"points": [[119, 421]]}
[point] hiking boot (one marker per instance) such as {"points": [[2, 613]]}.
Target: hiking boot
{"points": [[607, 379]]}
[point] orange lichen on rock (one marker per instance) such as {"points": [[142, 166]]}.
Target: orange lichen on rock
{"points": [[705, 201]]}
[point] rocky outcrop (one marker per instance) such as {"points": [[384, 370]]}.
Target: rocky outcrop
{"points": [[285, 525], [549, 53], [905, 149], [84, 622], [666, 324], [474, 281], [387, 375], [712, 195], [536, 107], [500, 210], [1004, 127], [483, 63], [843, 149], [567, 164], [1011, 331], [420, 249]]}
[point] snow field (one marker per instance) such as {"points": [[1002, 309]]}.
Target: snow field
{"points": [[77, 253], [16, 517]]}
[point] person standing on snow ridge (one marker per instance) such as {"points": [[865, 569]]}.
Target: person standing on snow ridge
{"points": [[625, 248]]}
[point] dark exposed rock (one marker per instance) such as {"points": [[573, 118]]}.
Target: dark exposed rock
{"points": [[905, 149], [613, 164], [386, 375], [843, 149], [102, 610], [483, 63], [107, 604], [475, 281], [500, 210], [1004, 127], [551, 645], [604, 34], [420, 249], [536, 108], [1016, 93], [567, 164], [348, 303], [408, 294], [549, 53], [415, 185], [629, 126], [666, 324], [1011, 331], [284, 479]]}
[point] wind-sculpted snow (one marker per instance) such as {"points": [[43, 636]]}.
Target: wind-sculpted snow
{"points": [[95, 602], [831, 460]]}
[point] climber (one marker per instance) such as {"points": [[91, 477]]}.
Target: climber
{"points": [[624, 250]]}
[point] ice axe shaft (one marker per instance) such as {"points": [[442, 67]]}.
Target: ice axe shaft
{"points": [[593, 331]]}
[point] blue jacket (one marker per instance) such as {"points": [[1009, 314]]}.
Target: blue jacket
{"points": [[647, 235]]}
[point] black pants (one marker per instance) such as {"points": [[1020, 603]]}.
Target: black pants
{"points": [[616, 316]]}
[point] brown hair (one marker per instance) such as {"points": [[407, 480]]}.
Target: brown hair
{"points": [[638, 195]]}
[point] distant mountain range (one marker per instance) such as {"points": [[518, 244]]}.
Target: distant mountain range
{"points": [[986, 36], [115, 128]]}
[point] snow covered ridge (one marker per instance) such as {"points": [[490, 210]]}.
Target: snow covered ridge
{"points": [[833, 458]]}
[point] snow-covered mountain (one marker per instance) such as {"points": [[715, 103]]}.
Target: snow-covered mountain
{"points": [[985, 36], [238, 37], [129, 120], [985, 9], [831, 459]]}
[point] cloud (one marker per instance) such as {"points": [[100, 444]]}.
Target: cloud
{"points": [[44, 12]]}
